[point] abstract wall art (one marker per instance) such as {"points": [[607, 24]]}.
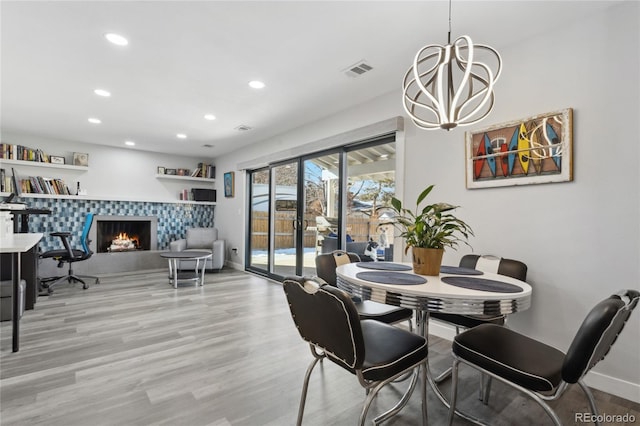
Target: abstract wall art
{"points": [[532, 150]]}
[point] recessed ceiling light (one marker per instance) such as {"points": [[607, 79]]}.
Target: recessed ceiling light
{"points": [[94, 120], [102, 92], [116, 39], [181, 136], [129, 143], [256, 84], [209, 117]]}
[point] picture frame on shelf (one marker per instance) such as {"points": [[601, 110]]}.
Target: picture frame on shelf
{"points": [[173, 172], [81, 159], [161, 170], [229, 184], [54, 159]]}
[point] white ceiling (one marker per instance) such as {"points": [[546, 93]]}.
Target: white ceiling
{"points": [[188, 58]]}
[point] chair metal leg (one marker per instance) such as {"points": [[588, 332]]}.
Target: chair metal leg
{"points": [[485, 390], [536, 397], [305, 386], [396, 408], [592, 401], [454, 391]]}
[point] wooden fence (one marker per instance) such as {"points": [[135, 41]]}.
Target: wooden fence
{"points": [[359, 228]]}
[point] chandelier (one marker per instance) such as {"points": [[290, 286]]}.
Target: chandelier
{"points": [[447, 86]]}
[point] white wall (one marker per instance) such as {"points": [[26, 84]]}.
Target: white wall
{"points": [[581, 240], [120, 173]]}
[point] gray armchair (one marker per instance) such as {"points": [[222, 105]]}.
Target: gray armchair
{"points": [[201, 239]]}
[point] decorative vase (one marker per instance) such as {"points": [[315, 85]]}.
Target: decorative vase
{"points": [[426, 261]]}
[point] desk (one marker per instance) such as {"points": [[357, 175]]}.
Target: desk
{"points": [[17, 244], [29, 259], [23, 215], [436, 296]]}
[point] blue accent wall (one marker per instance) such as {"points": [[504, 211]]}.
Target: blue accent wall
{"points": [[68, 215]]}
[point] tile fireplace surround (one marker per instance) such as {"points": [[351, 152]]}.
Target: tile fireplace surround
{"points": [[68, 215]]}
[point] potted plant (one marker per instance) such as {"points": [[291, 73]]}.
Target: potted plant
{"points": [[428, 231]]}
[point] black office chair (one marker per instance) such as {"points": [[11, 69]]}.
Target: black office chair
{"points": [[326, 265], [70, 256], [486, 263], [539, 370], [377, 353]]}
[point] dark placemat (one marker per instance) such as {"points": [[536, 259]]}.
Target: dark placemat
{"points": [[482, 284], [398, 278], [384, 266], [458, 270]]}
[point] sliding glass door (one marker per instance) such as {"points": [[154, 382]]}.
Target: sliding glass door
{"points": [[285, 224], [319, 203], [258, 241]]}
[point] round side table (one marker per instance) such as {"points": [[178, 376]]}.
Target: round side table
{"points": [[174, 258]]}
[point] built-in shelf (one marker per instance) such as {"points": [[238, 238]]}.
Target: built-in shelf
{"points": [[23, 163], [189, 178], [105, 198]]}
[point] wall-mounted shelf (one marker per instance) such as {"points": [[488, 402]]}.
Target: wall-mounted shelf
{"points": [[109, 198], [185, 178], [23, 163]]}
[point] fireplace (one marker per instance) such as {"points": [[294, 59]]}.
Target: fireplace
{"points": [[111, 234]]}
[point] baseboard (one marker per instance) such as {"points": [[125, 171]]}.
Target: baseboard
{"points": [[608, 384], [234, 265], [441, 330], [614, 386]]}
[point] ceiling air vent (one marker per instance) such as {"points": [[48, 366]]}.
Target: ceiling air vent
{"points": [[243, 128], [358, 69]]}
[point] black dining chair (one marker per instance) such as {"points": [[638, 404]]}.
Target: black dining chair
{"points": [[486, 263], [326, 265], [539, 370], [375, 352]]}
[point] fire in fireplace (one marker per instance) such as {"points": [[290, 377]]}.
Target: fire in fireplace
{"points": [[123, 233], [124, 242]]}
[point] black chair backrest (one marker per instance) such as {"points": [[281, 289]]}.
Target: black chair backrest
{"points": [[509, 267], [327, 318], [327, 263], [598, 332]]}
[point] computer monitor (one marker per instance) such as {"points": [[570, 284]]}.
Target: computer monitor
{"points": [[17, 188]]}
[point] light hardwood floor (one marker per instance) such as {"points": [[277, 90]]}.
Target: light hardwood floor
{"points": [[135, 351]]}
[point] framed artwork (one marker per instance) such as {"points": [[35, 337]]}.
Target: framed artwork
{"points": [[170, 171], [56, 160], [532, 150], [161, 170], [229, 184], [80, 159]]}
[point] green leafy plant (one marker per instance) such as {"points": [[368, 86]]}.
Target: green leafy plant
{"points": [[435, 226]]}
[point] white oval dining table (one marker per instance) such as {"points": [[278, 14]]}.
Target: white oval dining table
{"points": [[435, 295]]}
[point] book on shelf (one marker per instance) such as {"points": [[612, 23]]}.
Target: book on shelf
{"points": [[20, 152], [44, 185], [206, 170]]}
